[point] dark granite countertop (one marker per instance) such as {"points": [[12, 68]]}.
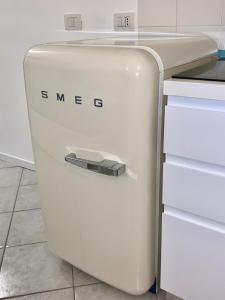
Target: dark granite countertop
{"points": [[212, 72]]}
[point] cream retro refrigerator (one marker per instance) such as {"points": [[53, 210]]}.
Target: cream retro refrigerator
{"points": [[94, 109]]}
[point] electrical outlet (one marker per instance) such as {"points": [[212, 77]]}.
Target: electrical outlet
{"points": [[124, 22], [73, 21]]}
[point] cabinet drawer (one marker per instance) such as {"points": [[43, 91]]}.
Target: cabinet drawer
{"points": [[193, 260], [200, 192], [194, 133]]}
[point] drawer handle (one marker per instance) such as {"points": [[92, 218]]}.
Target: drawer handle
{"points": [[106, 167]]}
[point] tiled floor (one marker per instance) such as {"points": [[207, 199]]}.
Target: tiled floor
{"points": [[29, 271]]}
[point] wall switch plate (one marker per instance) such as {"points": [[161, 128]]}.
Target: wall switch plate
{"points": [[73, 21], [124, 22]]}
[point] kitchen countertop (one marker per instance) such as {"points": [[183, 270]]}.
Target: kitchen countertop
{"points": [[207, 82], [213, 71]]}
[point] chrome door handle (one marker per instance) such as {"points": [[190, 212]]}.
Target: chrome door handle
{"points": [[106, 167]]}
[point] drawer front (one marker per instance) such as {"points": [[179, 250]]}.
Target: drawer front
{"points": [[194, 133], [200, 192], [193, 260]]}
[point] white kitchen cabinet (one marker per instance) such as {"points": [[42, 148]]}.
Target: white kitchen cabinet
{"points": [[195, 190], [193, 221], [193, 258], [195, 133]]}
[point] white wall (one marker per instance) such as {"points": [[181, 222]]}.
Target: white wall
{"points": [[24, 23], [188, 16]]}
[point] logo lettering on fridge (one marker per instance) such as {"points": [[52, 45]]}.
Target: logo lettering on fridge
{"points": [[97, 102]]}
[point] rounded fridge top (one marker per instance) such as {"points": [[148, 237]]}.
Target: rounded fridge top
{"points": [[169, 50]]}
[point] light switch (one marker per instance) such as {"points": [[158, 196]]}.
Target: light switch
{"points": [[124, 22], [73, 21]]}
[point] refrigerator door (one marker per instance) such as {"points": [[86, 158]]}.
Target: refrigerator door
{"points": [[93, 116]]}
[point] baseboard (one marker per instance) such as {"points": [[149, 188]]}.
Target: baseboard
{"points": [[18, 161]]}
